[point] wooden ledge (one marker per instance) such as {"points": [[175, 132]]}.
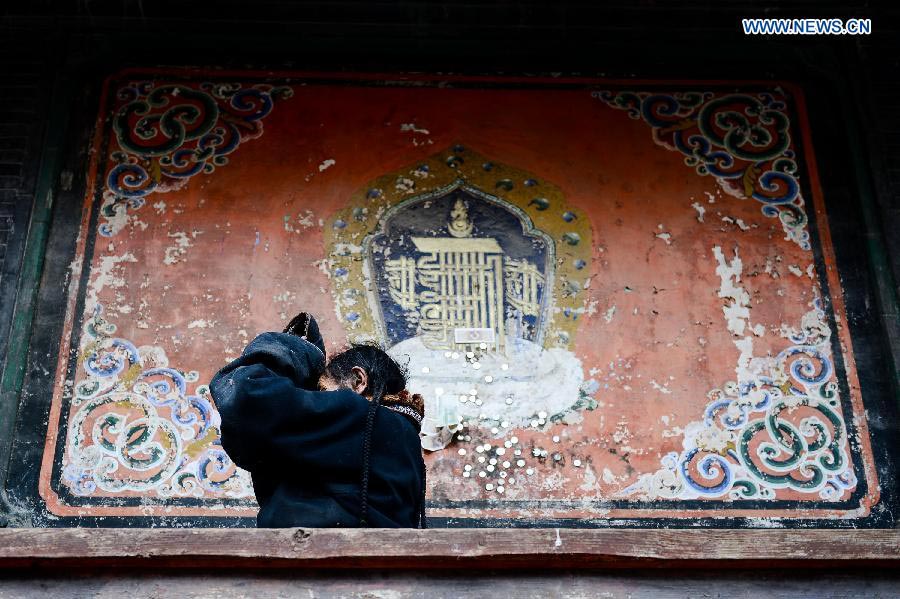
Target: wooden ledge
{"points": [[446, 548]]}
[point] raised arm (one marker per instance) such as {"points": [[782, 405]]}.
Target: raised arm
{"points": [[271, 411]]}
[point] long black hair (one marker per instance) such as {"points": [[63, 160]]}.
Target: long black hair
{"points": [[384, 377]]}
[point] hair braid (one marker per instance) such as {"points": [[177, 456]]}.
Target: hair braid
{"points": [[423, 522], [384, 376], [367, 462]]}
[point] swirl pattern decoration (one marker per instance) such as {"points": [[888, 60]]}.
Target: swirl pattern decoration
{"points": [[136, 426], [167, 133], [782, 429], [742, 140]]}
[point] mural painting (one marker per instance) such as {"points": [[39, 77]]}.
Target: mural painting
{"points": [[617, 302]]}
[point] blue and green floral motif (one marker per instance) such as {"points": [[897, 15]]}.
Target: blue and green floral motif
{"points": [[780, 428], [136, 427], [742, 140], [167, 133]]}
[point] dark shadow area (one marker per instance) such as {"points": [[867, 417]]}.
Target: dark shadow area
{"points": [[431, 585]]}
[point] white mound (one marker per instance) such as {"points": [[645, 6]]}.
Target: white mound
{"points": [[535, 379]]}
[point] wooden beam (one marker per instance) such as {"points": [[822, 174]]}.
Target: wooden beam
{"points": [[447, 548]]}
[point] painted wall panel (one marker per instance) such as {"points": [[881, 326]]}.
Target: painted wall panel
{"points": [[618, 301]]}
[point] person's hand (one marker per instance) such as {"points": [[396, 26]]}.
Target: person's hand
{"points": [[305, 326]]}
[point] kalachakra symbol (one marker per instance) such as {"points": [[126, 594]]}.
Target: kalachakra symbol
{"points": [[463, 287], [458, 288], [479, 292]]}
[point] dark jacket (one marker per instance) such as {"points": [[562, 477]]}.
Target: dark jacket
{"points": [[304, 448]]}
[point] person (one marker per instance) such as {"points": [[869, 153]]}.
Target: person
{"points": [[331, 444]]}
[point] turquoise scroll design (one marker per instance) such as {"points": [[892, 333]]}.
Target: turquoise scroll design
{"points": [[135, 426], [778, 430], [774, 433]]}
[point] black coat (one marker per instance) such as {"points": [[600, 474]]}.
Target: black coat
{"points": [[304, 448]]}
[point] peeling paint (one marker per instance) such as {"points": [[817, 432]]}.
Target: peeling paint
{"points": [[608, 315], [411, 127], [177, 252], [695, 331], [737, 306], [700, 211], [106, 277], [661, 388]]}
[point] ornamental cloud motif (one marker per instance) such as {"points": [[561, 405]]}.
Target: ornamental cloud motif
{"points": [[137, 427], [742, 140], [168, 133]]}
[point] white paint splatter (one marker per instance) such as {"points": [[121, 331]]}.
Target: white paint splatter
{"points": [[770, 268], [326, 164], [106, 277], [405, 185], [608, 316], [700, 211], [412, 127], [737, 311], [590, 480], [305, 220], [347, 249], [175, 253], [661, 388], [119, 217], [742, 370], [737, 307], [608, 477]]}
